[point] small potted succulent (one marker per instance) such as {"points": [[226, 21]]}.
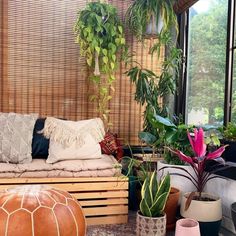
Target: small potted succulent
{"points": [[151, 219], [203, 207]]}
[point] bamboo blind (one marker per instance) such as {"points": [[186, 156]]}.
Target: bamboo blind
{"points": [[42, 71]]}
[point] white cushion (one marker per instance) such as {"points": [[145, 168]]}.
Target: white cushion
{"points": [[74, 140]]}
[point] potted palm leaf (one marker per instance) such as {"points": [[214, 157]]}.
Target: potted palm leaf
{"points": [[199, 205], [151, 219]]}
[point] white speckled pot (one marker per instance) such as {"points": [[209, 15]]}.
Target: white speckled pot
{"points": [[150, 226]]}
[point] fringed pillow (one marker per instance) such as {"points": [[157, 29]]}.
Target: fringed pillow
{"points": [[71, 140]]}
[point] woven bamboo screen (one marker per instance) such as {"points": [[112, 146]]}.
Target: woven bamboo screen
{"points": [[42, 71]]}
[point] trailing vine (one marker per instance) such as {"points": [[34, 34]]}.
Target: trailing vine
{"points": [[100, 35]]}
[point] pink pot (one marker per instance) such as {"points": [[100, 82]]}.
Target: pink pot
{"points": [[187, 227]]}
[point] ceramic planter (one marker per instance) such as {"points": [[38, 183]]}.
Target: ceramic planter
{"points": [[171, 208], [177, 181], [233, 213], [187, 227], [153, 226], [207, 213], [154, 29]]}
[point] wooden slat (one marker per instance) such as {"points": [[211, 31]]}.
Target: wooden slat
{"points": [[115, 201], [76, 187], [107, 194], [62, 180], [109, 210], [119, 219]]}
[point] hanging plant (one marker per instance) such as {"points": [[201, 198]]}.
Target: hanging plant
{"points": [[149, 18], [100, 35]]}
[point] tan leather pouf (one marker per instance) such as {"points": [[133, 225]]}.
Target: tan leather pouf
{"points": [[35, 210]]}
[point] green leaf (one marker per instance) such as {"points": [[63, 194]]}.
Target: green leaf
{"points": [[113, 57], [117, 40], [122, 41], [163, 187], [159, 205], [154, 184], [104, 51], [120, 28], [145, 210], [105, 60], [112, 65], [97, 49], [89, 61], [147, 137]]}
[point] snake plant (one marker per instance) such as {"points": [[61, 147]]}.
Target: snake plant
{"points": [[154, 195]]}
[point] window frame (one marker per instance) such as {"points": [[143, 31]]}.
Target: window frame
{"points": [[181, 97]]}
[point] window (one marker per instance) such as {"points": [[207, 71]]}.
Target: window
{"points": [[206, 62]]}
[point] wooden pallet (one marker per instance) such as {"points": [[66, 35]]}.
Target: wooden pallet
{"points": [[103, 199]]}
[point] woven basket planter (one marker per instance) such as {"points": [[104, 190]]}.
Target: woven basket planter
{"points": [[151, 226]]}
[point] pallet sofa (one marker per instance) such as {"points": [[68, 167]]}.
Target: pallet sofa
{"points": [[102, 195]]}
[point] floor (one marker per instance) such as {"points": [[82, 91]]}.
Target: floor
{"points": [[127, 229]]}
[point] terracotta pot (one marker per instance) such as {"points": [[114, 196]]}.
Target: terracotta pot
{"points": [[171, 208], [187, 227], [207, 213], [155, 226]]}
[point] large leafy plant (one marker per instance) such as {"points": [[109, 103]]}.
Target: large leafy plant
{"points": [[154, 195], [168, 135], [100, 35], [198, 163], [152, 89]]}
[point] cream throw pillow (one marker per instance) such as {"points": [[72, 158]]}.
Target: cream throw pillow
{"points": [[73, 140]]}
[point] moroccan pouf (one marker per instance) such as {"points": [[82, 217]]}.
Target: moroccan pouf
{"points": [[36, 210]]}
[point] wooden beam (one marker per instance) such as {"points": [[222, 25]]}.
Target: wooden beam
{"points": [[182, 5]]}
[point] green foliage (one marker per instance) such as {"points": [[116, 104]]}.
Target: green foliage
{"points": [[142, 12], [154, 195], [151, 88], [229, 132], [168, 136], [100, 35]]}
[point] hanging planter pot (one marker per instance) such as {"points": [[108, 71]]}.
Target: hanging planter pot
{"points": [[154, 27], [150, 225], [208, 212]]}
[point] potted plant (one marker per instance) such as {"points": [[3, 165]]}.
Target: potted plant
{"points": [[151, 219], [150, 18], [229, 138], [198, 205], [100, 35]]}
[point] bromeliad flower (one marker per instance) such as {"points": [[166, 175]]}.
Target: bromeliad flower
{"points": [[198, 161]]}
